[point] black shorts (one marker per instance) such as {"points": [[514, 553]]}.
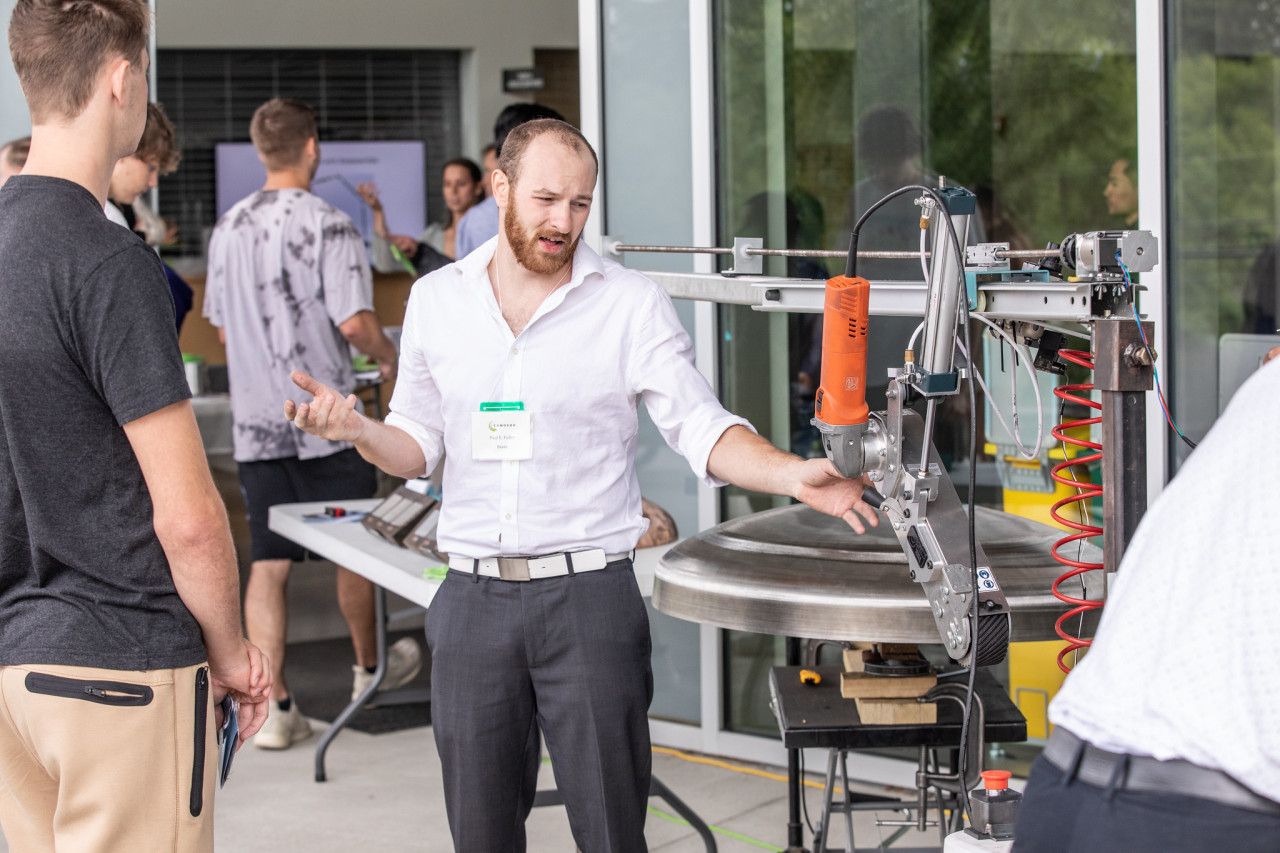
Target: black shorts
{"points": [[343, 476]]}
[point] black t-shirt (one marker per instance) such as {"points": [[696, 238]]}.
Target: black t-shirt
{"points": [[87, 343]]}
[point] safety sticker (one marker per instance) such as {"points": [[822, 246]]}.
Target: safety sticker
{"points": [[987, 581]]}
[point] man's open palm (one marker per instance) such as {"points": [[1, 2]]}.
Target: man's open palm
{"points": [[328, 415]]}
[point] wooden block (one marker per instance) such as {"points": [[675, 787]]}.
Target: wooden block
{"points": [[853, 656], [882, 712], [898, 651], [854, 685]]}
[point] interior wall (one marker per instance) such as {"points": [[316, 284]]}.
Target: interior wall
{"points": [[496, 34], [14, 120]]}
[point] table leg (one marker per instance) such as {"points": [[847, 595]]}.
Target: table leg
{"points": [[795, 829], [849, 799], [828, 795], [658, 789], [380, 633]]}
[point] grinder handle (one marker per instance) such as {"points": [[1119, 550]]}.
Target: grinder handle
{"points": [[842, 395]]}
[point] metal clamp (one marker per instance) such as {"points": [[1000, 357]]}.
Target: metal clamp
{"points": [[744, 262]]}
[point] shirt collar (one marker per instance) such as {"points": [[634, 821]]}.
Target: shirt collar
{"points": [[585, 262]]}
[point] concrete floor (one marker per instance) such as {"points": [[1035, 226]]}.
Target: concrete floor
{"points": [[384, 792], [384, 795]]}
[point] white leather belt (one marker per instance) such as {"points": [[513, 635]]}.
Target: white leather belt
{"points": [[537, 568]]}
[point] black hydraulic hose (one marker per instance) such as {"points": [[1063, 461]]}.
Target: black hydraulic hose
{"points": [[851, 263]]}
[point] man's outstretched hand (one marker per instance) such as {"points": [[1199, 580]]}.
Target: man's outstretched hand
{"points": [[328, 415], [822, 488]]}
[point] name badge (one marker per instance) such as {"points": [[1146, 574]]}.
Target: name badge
{"points": [[501, 435]]}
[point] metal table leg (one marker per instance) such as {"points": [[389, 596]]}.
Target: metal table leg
{"points": [[828, 794], [380, 633], [795, 829], [658, 789], [552, 797]]}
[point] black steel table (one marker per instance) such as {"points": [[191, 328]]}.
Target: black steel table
{"points": [[818, 716]]}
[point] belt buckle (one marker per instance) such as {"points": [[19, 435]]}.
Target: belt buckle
{"points": [[513, 568]]}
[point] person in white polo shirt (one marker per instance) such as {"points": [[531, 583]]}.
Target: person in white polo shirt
{"points": [[523, 364], [1166, 736]]}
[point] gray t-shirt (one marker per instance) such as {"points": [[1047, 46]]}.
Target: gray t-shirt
{"points": [[285, 269], [87, 344]]}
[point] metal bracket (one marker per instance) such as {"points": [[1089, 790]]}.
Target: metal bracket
{"points": [[1122, 361], [744, 264], [609, 244], [984, 255]]}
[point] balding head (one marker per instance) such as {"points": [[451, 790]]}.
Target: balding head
{"points": [[513, 150]]}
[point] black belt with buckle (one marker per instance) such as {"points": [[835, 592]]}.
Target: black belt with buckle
{"points": [[1143, 774]]}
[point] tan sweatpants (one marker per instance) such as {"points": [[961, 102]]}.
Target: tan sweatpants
{"points": [[103, 760]]}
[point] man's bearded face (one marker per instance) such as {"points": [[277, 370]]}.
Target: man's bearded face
{"points": [[544, 251]]}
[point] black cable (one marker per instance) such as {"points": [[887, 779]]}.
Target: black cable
{"points": [[851, 263], [973, 539], [804, 796]]}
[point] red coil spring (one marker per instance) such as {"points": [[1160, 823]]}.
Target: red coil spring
{"points": [[1085, 491]]}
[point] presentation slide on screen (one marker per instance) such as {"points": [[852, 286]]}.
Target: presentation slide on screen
{"points": [[396, 167]]}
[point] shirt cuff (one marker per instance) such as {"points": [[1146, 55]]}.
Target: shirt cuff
{"points": [[700, 452], [431, 443]]}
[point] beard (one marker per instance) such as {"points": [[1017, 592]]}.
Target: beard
{"points": [[524, 245]]}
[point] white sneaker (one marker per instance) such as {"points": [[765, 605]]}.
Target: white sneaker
{"points": [[283, 728], [404, 661]]}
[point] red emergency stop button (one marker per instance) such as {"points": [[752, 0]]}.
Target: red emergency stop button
{"points": [[995, 780]]}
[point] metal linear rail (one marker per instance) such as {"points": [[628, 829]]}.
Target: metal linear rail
{"points": [[1043, 302], [616, 248]]}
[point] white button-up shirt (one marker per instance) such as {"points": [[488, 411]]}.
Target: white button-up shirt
{"points": [[596, 344], [1184, 664]]}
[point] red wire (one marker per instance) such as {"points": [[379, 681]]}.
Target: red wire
{"points": [[1085, 491]]}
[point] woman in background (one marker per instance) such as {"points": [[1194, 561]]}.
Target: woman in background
{"points": [[461, 191]]}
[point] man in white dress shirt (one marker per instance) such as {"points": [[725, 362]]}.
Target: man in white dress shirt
{"points": [[1166, 735], [523, 364]]}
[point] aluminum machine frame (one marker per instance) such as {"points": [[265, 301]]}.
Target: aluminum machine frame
{"points": [[893, 449]]}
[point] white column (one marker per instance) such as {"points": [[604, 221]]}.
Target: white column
{"points": [[1152, 88], [590, 77]]}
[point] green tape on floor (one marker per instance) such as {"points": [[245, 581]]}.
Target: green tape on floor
{"points": [[728, 833]]}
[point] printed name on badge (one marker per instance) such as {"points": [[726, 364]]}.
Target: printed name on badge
{"points": [[501, 435]]}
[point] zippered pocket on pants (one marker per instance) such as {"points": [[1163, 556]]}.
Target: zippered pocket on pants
{"points": [[100, 692], [201, 737]]}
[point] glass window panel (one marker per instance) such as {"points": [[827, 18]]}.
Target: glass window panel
{"points": [[823, 106], [648, 175], [1224, 123]]}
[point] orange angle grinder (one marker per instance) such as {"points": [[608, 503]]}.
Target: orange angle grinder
{"points": [[840, 411]]}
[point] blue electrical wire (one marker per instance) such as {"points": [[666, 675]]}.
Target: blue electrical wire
{"points": [[1133, 305]]}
